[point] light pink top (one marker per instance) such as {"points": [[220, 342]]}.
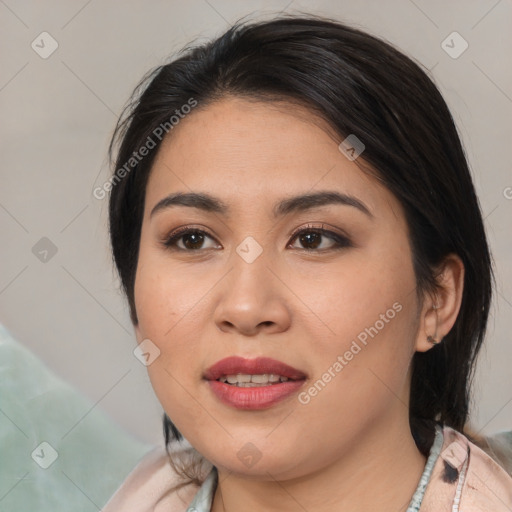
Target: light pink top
{"points": [[480, 486]]}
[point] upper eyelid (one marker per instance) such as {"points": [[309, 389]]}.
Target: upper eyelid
{"points": [[321, 228]]}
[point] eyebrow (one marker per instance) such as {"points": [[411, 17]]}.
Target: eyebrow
{"points": [[308, 201]]}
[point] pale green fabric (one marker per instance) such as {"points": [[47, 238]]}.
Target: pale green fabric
{"points": [[36, 406]]}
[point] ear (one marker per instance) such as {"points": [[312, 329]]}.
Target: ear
{"points": [[439, 311]]}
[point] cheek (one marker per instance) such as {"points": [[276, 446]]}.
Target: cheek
{"points": [[364, 297], [172, 308], [168, 297], [168, 310], [366, 338], [360, 371], [167, 317]]}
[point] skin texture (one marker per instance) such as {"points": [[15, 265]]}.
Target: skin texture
{"points": [[303, 307]]}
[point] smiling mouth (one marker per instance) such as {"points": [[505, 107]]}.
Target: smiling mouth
{"points": [[252, 384]]}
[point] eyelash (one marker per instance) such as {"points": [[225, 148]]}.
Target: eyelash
{"points": [[341, 242]]}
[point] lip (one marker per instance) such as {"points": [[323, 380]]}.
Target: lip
{"points": [[261, 397]]}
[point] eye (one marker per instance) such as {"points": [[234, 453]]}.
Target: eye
{"points": [[191, 239], [312, 237]]}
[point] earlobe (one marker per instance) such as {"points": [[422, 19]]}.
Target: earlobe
{"points": [[439, 312], [433, 340], [428, 333]]}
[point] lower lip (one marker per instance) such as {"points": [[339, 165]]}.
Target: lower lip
{"points": [[260, 397]]}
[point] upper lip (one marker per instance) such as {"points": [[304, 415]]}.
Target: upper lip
{"points": [[258, 366]]}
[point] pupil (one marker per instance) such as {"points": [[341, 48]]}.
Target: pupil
{"points": [[304, 239], [194, 245]]}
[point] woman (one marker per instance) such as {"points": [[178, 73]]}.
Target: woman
{"points": [[303, 253]]}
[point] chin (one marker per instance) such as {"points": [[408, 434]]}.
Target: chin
{"points": [[249, 461]]}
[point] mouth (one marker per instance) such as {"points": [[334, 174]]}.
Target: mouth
{"points": [[253, 383], [260, 371]]}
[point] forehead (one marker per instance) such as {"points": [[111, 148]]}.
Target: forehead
{"points": [[246, 151]]}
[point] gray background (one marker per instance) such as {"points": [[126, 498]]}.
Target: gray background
{"points": [[58, 114]]}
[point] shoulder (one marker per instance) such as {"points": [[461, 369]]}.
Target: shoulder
{"points": [[153, 485], [466, 478], [487, 485]]}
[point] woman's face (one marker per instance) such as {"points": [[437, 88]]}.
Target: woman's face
{"points": [[339, 307]]}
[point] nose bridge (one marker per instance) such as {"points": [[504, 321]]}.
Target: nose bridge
{"points": [[249, 262], [250, 296], [250, 250]]}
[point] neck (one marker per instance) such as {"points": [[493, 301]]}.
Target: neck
{"points": [[379, 472]]}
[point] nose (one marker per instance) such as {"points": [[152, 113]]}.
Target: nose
{"points": [[252, 299]]}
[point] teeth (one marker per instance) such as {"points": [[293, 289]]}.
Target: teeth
{"points": [[233, 379], [260, 379], [250, 381]]}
